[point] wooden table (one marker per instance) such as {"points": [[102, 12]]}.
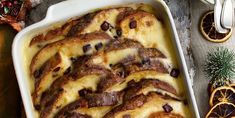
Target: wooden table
{"points": [[9, 93]]}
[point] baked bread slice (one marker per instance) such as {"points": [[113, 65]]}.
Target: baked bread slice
{"points": [[88, 66], [145, 28], [88, 23], [97, 103], [67, 94], [103, 20], [72, 47], [152, 105], [52, 35], [94, 104], [51, 70], [60, 33]]}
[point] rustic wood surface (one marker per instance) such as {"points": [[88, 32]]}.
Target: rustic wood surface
{"points": [[9, 93]]}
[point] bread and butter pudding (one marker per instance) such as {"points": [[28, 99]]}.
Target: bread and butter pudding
{"points": [[110, 63]]}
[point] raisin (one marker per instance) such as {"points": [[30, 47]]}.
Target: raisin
{"points": [[67, 71], [116, 37], [119, 32], [73, 59], [175, 72], [146, 61], [86, 48], [37, 73], [56, 69], [133, 24], [167, 108], [98, 46], [105, 26], [84, 92], [126, 116]]}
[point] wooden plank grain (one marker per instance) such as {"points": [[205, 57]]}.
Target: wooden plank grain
{"points": [[9, 92]]}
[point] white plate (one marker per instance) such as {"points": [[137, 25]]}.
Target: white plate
{"points": [[68, 9]]}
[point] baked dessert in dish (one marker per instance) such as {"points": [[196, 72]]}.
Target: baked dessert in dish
{"points": [[110, 63]]}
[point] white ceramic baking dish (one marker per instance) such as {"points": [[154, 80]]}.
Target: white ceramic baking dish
{"points": [[72, 8]]}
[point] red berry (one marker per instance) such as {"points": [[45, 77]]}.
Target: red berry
{"points": [[1, 5], [15, 2], [9, 4], [4, 3]]}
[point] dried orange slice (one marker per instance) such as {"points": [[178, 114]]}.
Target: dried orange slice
{"points": [[232, 85], [207, 27], [213, 84], [222, 94], [222, 110]]}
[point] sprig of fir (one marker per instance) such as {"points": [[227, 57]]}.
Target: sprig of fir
{"points": [[220, 64]]}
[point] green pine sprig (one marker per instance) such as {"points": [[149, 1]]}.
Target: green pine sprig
{"points": [[220, 64]]}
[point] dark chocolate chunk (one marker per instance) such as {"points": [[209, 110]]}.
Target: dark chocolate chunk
{"points": [[131, 83], [121, 74], [185, 102], [103, 99], [146, 61], [73, 59], [133, 24], [175, 72], [56, 69], [37, 107], [167, 108], [67, 71], [76, 115], [86, 48], [84, 92], [37, 73], [115, 37], [98, 46], [126, 116], [105, 26], [119, 32]]}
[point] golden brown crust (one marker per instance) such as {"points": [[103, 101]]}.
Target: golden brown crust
{"points": [[150, 53], [43, 71], [56, 91], [122, 44], [88, 19], [135, 88], [164, 115], [81, 23], [134, 103], [66, 43], [91, 100], [52, 34], [126, 70], [153, 65]]}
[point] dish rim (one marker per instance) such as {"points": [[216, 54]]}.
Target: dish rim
{"points": [[53, 17]]}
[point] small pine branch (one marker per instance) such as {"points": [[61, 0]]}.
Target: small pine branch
{"points": [[220, 64]]}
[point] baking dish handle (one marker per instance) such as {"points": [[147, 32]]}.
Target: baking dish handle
{"points": [[61, 10]]}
